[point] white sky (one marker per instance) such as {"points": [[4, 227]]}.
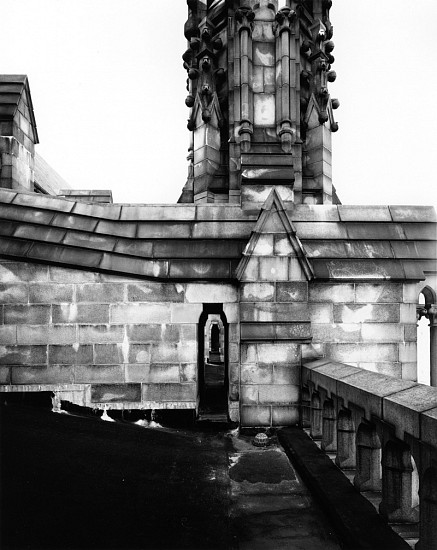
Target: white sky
{"points": [[108, 90]]}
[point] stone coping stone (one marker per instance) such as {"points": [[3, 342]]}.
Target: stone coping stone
{"points": [[358, 525], [403, 408], [358, 213], [367, 389], [428, 427]]}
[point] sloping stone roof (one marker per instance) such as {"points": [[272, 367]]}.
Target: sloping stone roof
{"points": [[12, 87], [207, 241]]}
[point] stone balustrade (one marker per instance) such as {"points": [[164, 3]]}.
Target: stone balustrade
{"points": [[385, 429]]}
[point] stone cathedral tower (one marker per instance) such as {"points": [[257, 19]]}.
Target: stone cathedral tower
{"points": [[260, 112]]}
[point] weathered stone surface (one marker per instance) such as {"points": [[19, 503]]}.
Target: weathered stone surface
{"points": [[292, 292], [377, 313], [27, 314], [5, 375], [54, 374], [101, 334], [387, 292], [353, 353], [336, 332], [186, 313], [70, 355], [286, 375], [328, 292], [257, 292], [155, 292], [43, 334], [275, 331], [139, 353], [14, 293], [408, 352], [255, 374], [140, 313], [168, 392], [198, 269], [278, 394], [107, 354], [210, 293], [46, 293], [388, 332], [99, 373], [274, 312], [80, 313], [23, 355], [364, 213], [102, 293], [274, 268], [428, 427], [109, 393], [66, 275], [184, 352], [403, 409], [285, 416], [256, 416], [321, 313], [188, 372], [8, 334]]}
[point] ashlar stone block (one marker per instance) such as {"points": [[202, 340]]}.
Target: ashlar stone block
{"points": [[55, 374], [379, 293], [27, 314], [278, 394], [254, 416], [210, 293], [110, 393], [140, 313], [23, 355], [376, 313], [70, 355], [14, 294], [101, 334], [285, 416], [256, 374], [336, 293], [257, 292]]}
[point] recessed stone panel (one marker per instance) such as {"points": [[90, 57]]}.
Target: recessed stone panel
{"points": [[110, 393], [264, 109], [169, 392]]}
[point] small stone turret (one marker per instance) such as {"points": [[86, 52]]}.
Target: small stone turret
{"points": [[260, 111]]}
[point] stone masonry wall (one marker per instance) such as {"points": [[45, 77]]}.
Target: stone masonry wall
{"points": [[126, 343], [372, 326]]}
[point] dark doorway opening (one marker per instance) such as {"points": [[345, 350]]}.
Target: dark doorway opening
{"points": [[213, 363]]}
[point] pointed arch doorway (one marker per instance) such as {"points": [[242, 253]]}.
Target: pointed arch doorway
{"points": [[213, 373]]}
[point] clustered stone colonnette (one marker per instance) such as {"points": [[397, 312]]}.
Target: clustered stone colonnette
{"points": [[106, 305]]}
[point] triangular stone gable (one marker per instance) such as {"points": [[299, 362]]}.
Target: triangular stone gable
{"points": [[274, 236]]}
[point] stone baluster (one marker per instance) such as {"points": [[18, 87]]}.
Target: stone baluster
{"points": [[329, 427], [346, 454]]}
